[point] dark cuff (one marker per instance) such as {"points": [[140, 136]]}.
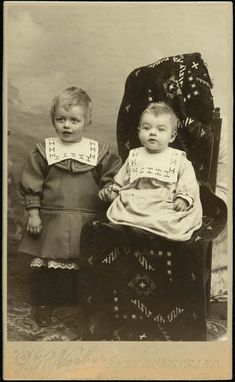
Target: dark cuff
{"points": [[32, 202]]}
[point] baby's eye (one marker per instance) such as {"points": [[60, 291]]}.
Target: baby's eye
{"points": [[161, 129]]}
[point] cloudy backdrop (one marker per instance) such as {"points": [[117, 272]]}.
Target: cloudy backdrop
{"points": [[50, 46]]}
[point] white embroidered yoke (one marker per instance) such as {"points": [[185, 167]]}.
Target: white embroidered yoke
{"points": [[146, 188], [86, 151], [164, 166]]}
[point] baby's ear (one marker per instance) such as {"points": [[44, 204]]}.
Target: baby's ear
{"points": [[173, 136]]}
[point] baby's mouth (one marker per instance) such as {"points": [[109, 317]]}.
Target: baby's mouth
{"points": [[152, 140], [66, 133]]}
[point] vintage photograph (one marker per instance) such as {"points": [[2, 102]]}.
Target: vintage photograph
{"points": [[117, 130]]}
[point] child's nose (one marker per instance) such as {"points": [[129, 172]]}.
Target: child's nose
{"points": [[67, 123]]}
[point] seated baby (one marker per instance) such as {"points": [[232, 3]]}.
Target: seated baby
{"points": [[156, 188]]}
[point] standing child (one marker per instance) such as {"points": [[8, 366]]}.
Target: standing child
{"points": [[156, 188], [60, 183]]}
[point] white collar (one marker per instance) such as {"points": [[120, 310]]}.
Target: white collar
{"points": [[163, 166], [85, 151]]}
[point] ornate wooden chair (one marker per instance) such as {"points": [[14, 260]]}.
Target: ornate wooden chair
{"points": [[137, 285]]}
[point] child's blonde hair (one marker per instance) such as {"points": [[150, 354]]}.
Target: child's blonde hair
{"points": [[71, 97], [160, 108]]}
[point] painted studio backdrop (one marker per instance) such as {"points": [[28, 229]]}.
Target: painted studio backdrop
{"points": [[49, 47]]}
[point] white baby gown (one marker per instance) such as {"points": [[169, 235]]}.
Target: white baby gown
{"points": [[147, 186]]}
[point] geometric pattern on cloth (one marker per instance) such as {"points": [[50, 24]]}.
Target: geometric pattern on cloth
{"points": [[142, 307], [85, 151], [142, 284], [170, 316], [165, 169], [157, 297], [143, 261], [110, 258]]}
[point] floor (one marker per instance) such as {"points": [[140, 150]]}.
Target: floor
{"points": [[67, 320]]}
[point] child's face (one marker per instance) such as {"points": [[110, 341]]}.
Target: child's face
{"points": [[155, 132], [70, 124]]}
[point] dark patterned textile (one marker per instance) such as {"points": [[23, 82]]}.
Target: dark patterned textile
{"points": [[68, 321], [183, 82], [139, 286]]}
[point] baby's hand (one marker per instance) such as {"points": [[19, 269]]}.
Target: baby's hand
{"points": [[107, 195], [34, 225], [180, 204]]}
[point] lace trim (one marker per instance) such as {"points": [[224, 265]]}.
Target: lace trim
{"points": [[55, 264], [37, 262]]}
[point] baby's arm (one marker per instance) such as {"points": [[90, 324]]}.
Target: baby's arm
{"points": [[180, 204], [187, 190]]}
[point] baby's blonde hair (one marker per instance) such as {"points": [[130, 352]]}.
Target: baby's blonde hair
{"points": [[72, 97], [160, 108]]}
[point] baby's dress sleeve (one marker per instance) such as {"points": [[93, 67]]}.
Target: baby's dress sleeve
{"points": [[107, 169], [32, 179], [122, 178], [187, 187]]}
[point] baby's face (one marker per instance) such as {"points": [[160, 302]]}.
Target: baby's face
{"points": [[156, 132], [70, 124]]}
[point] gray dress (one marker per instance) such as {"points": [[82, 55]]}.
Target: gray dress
{"points": [[67, 195]]}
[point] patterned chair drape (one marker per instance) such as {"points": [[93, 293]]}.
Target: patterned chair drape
{"points": [[138, 286]]}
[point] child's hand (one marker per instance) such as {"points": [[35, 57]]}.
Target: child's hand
{"points": [[107, 195], [180, 204], [34, 225]]}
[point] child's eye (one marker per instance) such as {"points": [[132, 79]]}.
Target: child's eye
{"points": [[59, 119], [74, 120]]}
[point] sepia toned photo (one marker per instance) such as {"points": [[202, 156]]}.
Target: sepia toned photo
{"points": [[117, 188]]}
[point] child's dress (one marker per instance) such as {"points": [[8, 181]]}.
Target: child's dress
{"points": [[63, 181], [148, 184]]}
